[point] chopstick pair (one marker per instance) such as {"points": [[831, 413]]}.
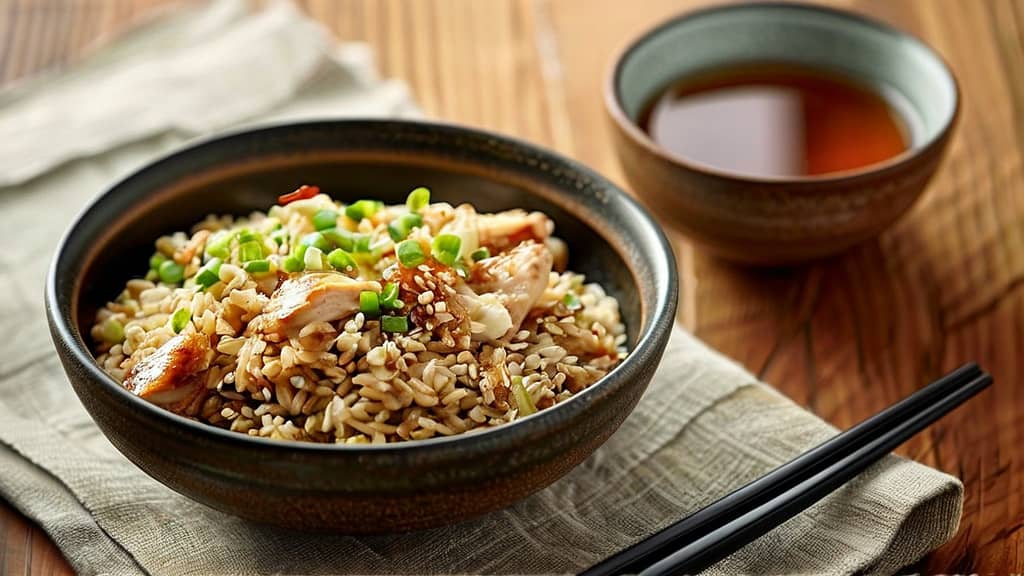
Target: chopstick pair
{"points": [[719, 529]]}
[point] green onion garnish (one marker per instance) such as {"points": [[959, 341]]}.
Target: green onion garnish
{"points": [[325, 219], [480, 253], [209, 274], [171, 272], [445, 248], [112, 331], [369, 303], [218, 245], [313, 258], [246, 235], [257, 266], [363, 209], [389, 296], [399, 228], [181, 317], [410, 254], [523, 400], [293, 264], [317, 240], [360, 243], [341, 260], [418, 199], [251, 250], [339, 237], [156, 260], [571, 301], [394, 323], [397, 231]]}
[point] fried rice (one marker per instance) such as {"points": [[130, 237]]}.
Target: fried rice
{"points": [[360, 323]]}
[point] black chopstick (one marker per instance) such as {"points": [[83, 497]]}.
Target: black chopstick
{"points": [[705, 551], [788, 476]]}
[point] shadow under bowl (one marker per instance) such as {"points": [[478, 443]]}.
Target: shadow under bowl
{"points": [[367, 488], [781, 220]]}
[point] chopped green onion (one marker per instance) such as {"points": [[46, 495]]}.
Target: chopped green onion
{"points": [[218, 245], [460, 269], [410, 253], [313, 258], [181, 317], [397, 231], [399, 228], [339, 237], [112, 331], [363, 209], [360, 243], [152, 276], [257, 266], [251, 250], [209, 274], [389, 297], [341, 260], [523, 400], [246, 235], [418, 199], [293, 264], [325, 219], [318, 240], [445, 248], [171, 272], [394, 323], [480, 254], [571, 301], [156, 260], [369, 303]]}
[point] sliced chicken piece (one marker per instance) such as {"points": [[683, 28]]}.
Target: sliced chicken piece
{"points": [[517, 278], [506, 229], [488, 318], [170, 375], [315, 296]]}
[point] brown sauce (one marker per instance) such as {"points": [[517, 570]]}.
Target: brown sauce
{"points": [[775, 121]]}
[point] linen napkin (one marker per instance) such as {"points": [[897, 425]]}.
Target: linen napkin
{"points": [[704, 427]]}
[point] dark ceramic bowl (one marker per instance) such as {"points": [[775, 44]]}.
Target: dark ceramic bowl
{"points": [[781, 220], [390, 487]]}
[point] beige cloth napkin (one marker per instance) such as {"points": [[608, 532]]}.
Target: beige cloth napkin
{"points": [[704, 427]]}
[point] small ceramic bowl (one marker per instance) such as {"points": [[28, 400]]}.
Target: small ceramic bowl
{"points": [[780, 220], [353, 488]]}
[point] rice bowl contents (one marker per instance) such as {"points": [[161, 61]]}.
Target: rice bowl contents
{"points": [[360, 323]]}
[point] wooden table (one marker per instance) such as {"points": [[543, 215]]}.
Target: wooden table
{"points": [[843, 337]]}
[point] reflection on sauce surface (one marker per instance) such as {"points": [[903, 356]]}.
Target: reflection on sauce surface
{"points": [[775, 121]]}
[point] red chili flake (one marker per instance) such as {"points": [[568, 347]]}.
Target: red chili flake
{"points": [[303, 193]]}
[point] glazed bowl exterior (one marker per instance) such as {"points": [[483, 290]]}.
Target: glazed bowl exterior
{"points": [[361, 488], [781, 220]]}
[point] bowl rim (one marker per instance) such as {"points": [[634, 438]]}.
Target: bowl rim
{"points": [[652, 336], [889, 166]]}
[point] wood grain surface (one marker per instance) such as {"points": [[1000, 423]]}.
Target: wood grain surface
{"points": [[844, 337]]}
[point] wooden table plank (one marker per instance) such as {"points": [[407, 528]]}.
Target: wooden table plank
{"points": [[845, 336]]}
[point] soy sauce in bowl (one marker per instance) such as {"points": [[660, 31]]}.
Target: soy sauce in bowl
{"points": [[777, 120]]}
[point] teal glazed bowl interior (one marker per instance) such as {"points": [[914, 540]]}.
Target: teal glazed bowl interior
{"points": [[390, 487], [781, 220]]}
